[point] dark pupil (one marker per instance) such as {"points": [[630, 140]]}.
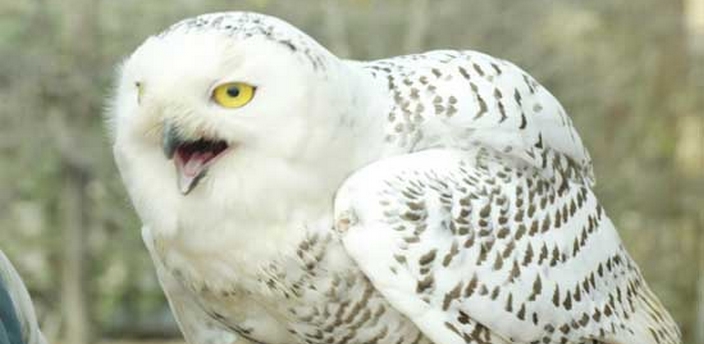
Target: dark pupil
{"points": [[233, 91]]}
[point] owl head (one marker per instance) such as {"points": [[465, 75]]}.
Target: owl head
{"points": [[229, 107]]}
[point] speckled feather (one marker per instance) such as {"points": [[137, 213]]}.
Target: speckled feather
{"points": [[468, 216], [467, 237]]}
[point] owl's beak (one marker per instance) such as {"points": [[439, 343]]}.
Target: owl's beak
{"points": [[191, 157], [171, 140]]}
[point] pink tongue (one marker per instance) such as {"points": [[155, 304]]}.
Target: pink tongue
{"points": [[190, 170], [195, 163]]}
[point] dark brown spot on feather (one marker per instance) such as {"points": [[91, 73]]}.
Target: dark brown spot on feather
{"points": [[428, 257], [425, 284], [478, 69]]}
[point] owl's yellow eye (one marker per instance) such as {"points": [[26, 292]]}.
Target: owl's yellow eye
{"points": [[233, 94]]}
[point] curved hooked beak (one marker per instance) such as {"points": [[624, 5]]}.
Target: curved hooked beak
{"points": [[191, 157], [170, 140]]}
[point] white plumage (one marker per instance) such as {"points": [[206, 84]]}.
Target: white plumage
{"points": [[433, 198]]}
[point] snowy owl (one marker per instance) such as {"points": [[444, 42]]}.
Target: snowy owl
{"points": [[290, 196]]}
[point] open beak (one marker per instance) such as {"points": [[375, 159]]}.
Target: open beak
{"points": [[191, 157]]}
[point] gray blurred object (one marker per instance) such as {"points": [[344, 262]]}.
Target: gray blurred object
{"points": [[18, 323]]}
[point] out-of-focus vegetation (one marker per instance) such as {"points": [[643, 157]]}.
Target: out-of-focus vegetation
{"points": [[630, 73]]}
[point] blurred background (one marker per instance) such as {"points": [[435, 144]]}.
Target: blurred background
{"points": [[630, 73]]}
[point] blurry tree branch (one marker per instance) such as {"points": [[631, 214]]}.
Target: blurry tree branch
{"points": [[694, 141], [67, 144], [691, 144], [417, 26], [336, 27], [80, 36], [695, 26]]}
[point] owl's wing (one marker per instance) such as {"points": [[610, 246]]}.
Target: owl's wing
{"points": [[197, 327], [474, 245]]}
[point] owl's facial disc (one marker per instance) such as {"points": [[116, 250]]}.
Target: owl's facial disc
{"points": [[192, 158]]}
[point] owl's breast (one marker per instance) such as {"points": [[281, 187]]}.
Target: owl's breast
{"points": [[313, 294]]}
